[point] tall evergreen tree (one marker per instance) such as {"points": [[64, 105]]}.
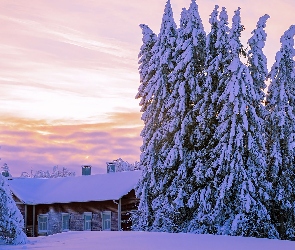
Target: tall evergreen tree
{"points": [[150, 214], [236, 192], [146, 72], [280, 103], [240, 163], [11, 220], [205, 113], [185, 82]]}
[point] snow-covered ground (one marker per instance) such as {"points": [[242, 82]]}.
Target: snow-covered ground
{"points": [[149, 241]]}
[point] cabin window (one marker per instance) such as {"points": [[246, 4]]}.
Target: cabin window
{"points": [[65, 222], [87, 221], [42, 223], [106, 221]]}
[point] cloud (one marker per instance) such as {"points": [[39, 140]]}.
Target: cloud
{"points": [[32, 145], [69, 75], [77, 52], [51, 63]]}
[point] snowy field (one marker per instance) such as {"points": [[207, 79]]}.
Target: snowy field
{"points": [[149, 241]]}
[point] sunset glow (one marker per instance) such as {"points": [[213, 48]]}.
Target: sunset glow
{"points": [[69, 75]]}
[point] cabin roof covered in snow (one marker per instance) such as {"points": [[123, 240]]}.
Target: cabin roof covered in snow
{"points": [[100, 187]]}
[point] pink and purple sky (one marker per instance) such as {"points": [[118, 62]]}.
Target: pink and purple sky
{"points": [[69, 75]]}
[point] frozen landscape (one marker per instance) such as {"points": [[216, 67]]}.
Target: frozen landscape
{"points": [[148, 241], [217, 159]]}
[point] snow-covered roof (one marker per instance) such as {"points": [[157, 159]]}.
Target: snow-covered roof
{"points": [[100, 187]]}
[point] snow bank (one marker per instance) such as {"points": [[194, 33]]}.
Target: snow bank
{"points": [[149, 241]]}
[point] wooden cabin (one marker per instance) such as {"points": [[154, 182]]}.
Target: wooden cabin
{"points": [[91, 202]]}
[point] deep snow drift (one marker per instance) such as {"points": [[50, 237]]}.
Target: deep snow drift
{"points": [[149, 241]]}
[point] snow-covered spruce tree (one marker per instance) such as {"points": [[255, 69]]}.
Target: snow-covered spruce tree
{"points": [[149, 188], [185, 83], [146, 70], [257, 63], [205, 116], [5, 170], [280, 103], [237, 190], [11, 220]]}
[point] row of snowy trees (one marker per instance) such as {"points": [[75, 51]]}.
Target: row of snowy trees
{"points": [[121, 165], [5, 170], [215, 159], [56, 173]]}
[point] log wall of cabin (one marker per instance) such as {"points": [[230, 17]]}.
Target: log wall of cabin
{"points": [[76, 211]]}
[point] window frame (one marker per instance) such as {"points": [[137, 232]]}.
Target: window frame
{"points": [[85, 228], [62, 222], [104, 220], [41, 223]]}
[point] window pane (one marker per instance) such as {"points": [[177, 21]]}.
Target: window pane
{"points": [[42, 223], [106, 220], [107, 225], [106, 216], [65, 221], [87, 221]]}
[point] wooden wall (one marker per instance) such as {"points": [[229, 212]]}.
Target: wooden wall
{"points": [[76, 211]]}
